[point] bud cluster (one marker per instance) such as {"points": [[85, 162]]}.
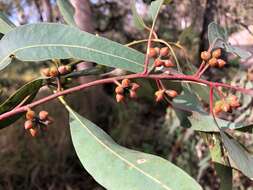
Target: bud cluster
{"points": [[54, 72], [126, 87], [226, 105], [32, 121], [160, 94], [213, 59], [162, 57]]}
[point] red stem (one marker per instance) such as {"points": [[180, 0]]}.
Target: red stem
{"points": [[178, 77]]}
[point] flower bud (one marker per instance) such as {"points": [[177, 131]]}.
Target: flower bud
{"points": [[135, 86], [168, 63], [119, 98], [171, 93], [216, 53], [28, 124], [119, 90], [152, 52], [53, 72], [125, 83], [164, 51], [43, 115], [62, 70], [30, 114], [205, 55], [212, 62], [133, 94], [159, 95], [33, 132], [158, 63], [221, 63]]}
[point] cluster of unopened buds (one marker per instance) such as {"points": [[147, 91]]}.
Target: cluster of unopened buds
{"points": [[213, 58], [226, 105], [33, 122], [162, 57], [54, 72], [126, 87], [160, 94]]}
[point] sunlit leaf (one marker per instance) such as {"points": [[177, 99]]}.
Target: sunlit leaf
{"points": [[138, 21], [37, 42], [154, 8], [67, 11], [119, 168], [5, 24]]}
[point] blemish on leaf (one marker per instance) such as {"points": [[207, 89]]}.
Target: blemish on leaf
{"points": [[141, 161]]}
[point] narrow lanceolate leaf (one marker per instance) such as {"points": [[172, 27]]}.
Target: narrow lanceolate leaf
{"points": [[241, 158], [5, 24], [119, 168], [138, 21], [23, 96], [67, 11], [154, 9], [37, 42]]}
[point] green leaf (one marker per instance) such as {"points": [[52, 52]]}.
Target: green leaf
{"points": [[119, 168], [154, 9], [225, 174], [5, 24], [67, 11], [138, 21], [37, 42], [218, 35], [238, 51], [240, 156], [24, 95], [191, 114]]}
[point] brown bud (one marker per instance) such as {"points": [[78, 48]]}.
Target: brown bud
{"points": [[221, 63], [30, 114], [158, 63], [152, 52], [119, 98], [233, 101], [53, 72], [226, 107], [33, 132], [212, 62], [171, 93], [28, 124], [62, 70], [164, 51], [133, 94], [218, 107], [159, 95], [119, 90], [125, 83], [43, 115], [168, 63], [135, 86], [216, 53], [205, 55], [45, 72], [157, 49]]}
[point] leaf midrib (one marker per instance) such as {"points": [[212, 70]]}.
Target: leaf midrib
{"points": [[132, 165], [69, 46]]}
